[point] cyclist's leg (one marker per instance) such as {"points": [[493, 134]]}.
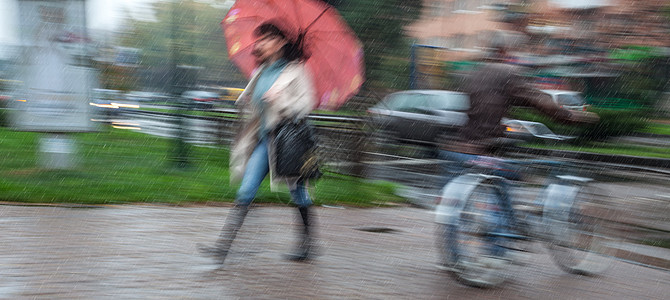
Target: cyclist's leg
{"points": [[510, 172], [495, 224], [507, 212], [510, 226]]}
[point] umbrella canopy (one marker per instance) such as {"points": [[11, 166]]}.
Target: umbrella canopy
{"points": [[334, 55]]}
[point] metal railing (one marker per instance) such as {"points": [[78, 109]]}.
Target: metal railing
{"points": [[341, 138]]}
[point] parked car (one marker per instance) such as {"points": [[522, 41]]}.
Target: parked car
{"points": [[420, 116], [429, 117], [201, 99], [567, 99], [531, 131]]}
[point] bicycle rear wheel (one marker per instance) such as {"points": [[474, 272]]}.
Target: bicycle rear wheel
{"points": [[576, 243], [470, 249]]}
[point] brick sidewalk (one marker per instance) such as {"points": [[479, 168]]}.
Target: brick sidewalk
{"points": [[148, 252]]}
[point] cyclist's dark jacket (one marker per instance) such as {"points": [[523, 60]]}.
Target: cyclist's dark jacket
{"points": [[493, 88]]}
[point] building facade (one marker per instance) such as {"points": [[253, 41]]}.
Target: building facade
{"points": [[464, 26], [580, 35]]}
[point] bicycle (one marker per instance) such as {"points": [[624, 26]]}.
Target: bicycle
{"points": [[481, 228]]}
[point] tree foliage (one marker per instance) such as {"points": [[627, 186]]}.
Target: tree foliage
{"points": [[117, 77], [185, 33], [379, 25], [613, 122]]}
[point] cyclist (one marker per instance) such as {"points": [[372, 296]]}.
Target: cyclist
{"points": [[494, 87]]}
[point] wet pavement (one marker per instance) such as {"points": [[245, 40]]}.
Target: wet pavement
{"points": [[149, 252]]}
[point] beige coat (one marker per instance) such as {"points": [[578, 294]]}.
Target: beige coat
{"points": [[291, 95]]}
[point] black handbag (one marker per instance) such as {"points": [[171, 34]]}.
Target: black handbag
{"points": [[295, 149]]}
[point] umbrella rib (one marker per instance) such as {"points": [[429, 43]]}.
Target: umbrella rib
{"points": [[317, 18]]}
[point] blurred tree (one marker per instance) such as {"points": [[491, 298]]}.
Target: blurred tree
{"points": [[642, 80], [117, 77], [379, 25], [198, 41]]}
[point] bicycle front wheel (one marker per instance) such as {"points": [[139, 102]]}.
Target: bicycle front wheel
{"points": [[576, 243], [472, 253]]}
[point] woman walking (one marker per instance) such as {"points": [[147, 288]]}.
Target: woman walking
{"points": [[280, 89]]}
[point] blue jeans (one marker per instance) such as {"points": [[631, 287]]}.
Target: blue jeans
{"points": [[257, 168], [456, 167]]}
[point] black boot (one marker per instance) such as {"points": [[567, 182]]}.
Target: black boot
{"points": [[305, 247], [233, 223]]}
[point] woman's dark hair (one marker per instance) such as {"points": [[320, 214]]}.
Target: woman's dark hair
{"points": [[293, 50]]}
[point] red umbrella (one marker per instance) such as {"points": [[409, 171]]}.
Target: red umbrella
{"points": [[334, 54]]}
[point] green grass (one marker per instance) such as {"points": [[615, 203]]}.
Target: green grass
{"points": [[608, 148], [118, 166], [657, 128]]}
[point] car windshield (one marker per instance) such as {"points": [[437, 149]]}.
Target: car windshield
{"points": [[570, 99], [414, 101]]}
